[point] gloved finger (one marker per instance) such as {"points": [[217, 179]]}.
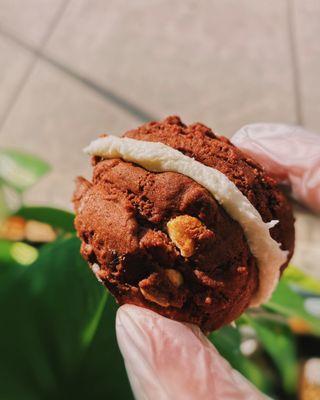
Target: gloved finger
{"points": [[169, 360], [290, 153]]}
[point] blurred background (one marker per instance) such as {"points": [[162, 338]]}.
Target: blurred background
{"points": [[72, 69]]}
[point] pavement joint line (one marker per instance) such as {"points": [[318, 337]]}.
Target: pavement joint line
{"points": [[104, 92], [30, 67]]}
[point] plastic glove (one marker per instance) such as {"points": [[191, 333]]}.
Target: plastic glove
{"points": [[169, 360], [289, 153]]}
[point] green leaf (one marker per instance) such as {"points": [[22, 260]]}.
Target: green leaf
{"points": [[21, 170], [227, 341], [4, 208], [287, 302], [9, 269], [17, 252], [10, 200], [109, 374], [53, 216], [14, 257], [278, 341], [57, 332], [5, 252], [23, 253], [296, 276]]}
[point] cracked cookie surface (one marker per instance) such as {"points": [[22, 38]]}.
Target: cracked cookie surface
{"points": [[161, 241]]}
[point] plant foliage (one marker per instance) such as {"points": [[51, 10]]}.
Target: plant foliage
{"points": [[57, 322]]}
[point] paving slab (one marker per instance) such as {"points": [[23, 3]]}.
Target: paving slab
{"points": [[14, 64], [55, 117], [306, 23], [226, 63], [29, 19]]}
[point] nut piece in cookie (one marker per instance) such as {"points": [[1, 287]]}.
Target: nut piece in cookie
{"points": [[174, 277], [185, 231], [162, 288]]}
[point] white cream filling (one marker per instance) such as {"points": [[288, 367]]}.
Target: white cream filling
{"points": [[158, 157]]}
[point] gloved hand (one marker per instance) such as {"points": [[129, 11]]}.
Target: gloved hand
{"points": [[289, 153], [169, 360]]}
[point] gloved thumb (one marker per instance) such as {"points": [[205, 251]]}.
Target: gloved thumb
{"points": [[169, 360]]}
